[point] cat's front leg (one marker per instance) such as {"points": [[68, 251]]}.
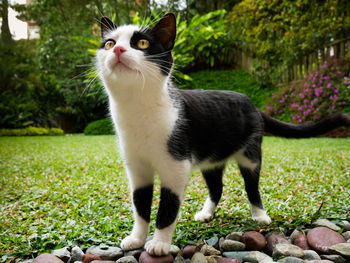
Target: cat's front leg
{"points": [[173, 185], [141, 185]]}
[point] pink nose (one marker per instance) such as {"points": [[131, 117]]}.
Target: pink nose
{"points": [[118, 50]]}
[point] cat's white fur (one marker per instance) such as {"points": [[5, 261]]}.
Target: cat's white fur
{"points": [[144, 116]]}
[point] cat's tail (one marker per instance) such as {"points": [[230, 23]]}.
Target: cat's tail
{"points": [[288, 130]]}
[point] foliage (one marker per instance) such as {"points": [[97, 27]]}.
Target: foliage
{"points": [[31, 131], [280, 32], [235, 80], [72, 190], [100, 127], [320, 94]]}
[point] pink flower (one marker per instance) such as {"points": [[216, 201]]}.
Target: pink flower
{"points": [[326, 77], [268, 107], [336, 91], [329, 85], [300, 108]]}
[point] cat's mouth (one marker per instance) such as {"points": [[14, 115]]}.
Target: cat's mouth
{"points": [[122, 66]]}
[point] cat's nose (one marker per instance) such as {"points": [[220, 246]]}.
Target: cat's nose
{"points": [[118, 50]]}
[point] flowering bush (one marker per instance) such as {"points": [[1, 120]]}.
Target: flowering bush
{"points": [[322, 93]]}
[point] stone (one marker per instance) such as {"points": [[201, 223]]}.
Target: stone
{"points": [[27, 261], [228, 260], [179, 259], [254, 241], [236, 255], [320, 261], [212, 259], [295, 234], [189, 251], [291, 260], [334, 258], [47, 258], [198, 258], [147, 258], [311, 255], [273, 240], [326, 223], [257, 257], [236, 236], [209, 251], [301, 241], [346, 225], [109, 253], [62, 254], [174, 250], [102, 261], [127, 259], [231, 245], [321, 238], [134, 253], [221, 240], [285, 250], [346, 235], [87, 258], [214, 242], [76, 254], [342, 249]]}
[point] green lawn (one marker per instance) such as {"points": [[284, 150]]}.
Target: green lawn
{"points": [[66, 190]]}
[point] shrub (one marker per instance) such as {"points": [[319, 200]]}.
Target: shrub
{"points": [[320, 94], [235, 80], [100, 127], [31, 131]]}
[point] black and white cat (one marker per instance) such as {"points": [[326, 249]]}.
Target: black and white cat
{"points": [[169, 131]]}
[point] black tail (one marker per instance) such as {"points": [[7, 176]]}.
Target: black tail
{"points": [[289, 130]]}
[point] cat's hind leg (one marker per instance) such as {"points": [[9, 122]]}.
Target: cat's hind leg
{"points": [[249, 162], [213, 179]]}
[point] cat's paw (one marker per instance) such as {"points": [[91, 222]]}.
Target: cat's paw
{"points": [[131, 243], [202, 216], [263, 219], [157, 247]]}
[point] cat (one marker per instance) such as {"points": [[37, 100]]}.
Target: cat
{"points": [[169, 131]]}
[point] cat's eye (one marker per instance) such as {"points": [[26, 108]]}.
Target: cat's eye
{"points": [[143, 44], [109, 44]]}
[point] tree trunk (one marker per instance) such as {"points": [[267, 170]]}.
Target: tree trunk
{"points": [[5, 30]]}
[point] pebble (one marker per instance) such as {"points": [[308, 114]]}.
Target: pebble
{"points": [[320, 261], [321, 238], [174, 250], [179, 259], [108, 253], [346, 225], [326, 223], [127, 259], [301, 241], [87, 258], [209, 251], [311, 255], [27, 261], [189, 251], [342, 249], [257, 257], [102, 261], [346, 235], [228, 260], [235, 255], [147, 258], [291, 260], [47, 258], [134, 253], [62, 254], [236, 236], [285, 250], [295, 234], [212, 259], [231, 245], [214, 242], [76, 255], [273, 240], [254, 241], [334, 258], [198, 258]]}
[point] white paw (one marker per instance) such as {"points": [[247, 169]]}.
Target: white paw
{"points": [[263, 219], [131, 243], [157, 248], [202, 216]]}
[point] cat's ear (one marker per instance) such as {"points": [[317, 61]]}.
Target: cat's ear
{"points": [[106, 26], [165, 31]]}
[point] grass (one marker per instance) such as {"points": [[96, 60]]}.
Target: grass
{"points": [[61, 191]]}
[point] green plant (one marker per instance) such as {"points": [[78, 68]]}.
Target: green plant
{"points": [[100, 127], [31, 131]]}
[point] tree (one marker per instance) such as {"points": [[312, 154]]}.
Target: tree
{"points": [[5, 30]]}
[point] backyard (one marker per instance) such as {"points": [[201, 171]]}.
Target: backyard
{"points": [[66, 190]]}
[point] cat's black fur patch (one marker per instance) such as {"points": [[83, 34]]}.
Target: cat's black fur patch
{"points": [[213, 179], [168, 208], [251, 181], [142, 198]]}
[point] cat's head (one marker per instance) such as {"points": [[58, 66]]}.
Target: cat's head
{"points": [[131, 53]]}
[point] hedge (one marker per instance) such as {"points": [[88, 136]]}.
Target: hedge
{"points": [[31, 131], [100, 127]]}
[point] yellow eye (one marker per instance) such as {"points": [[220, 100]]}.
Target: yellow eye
{"points": [[143, 44], [109, 44]]}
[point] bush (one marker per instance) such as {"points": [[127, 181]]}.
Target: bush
{"points": [[31, 131], [235, 80], [320, 94], [100, 127]]}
